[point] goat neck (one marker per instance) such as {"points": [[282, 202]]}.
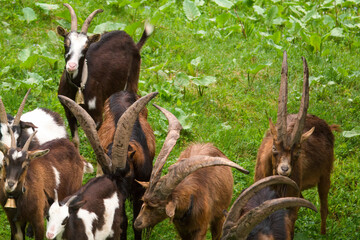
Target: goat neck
{"points": [[238, 225]]}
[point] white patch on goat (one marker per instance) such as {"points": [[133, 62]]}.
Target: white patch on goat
{"points": [[87, 218], [57, 214], [57, 176], [111, 204], [19, 234], [92, 103], [47, 129], [77, 45], [16, 155]]}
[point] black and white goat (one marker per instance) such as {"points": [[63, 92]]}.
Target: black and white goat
{"points": [[97, 66], [48, 124]]}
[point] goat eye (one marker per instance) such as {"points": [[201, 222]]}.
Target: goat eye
{"points": [[274, 150]]}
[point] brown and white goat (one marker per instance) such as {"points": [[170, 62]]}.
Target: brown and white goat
{"points": [[300, 146], [23, 125], [55, 165], [259, 214], [127, 156], [97, 66], [191, 197]]}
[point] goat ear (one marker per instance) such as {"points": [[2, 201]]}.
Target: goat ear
{"points": [[170, 209], [143, 184], [61, 31], [50, 200], [94, 38], [37, 153], [75, 205], [272, 129], [306, 135], [27, 125]]}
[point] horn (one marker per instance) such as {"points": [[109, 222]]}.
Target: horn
{"points": [[181, 169], [281, 124], [89, 127], [27, 144], [70, 200], [3, 115], [21, 109], [169, 143], [13, 141], [301, 117], [241, 201], [256, 215], [88, 20], [73, 17], [124, 130]]}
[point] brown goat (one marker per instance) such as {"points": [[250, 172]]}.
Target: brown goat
{"points": [[55, 165], [97, 66], [192, 198], [258, 213], [299, 146]]}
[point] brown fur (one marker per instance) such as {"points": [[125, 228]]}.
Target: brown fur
{"points": [[32, 204], [313, 166], [200, 199]]}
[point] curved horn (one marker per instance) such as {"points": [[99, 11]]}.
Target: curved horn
{"points": [[181, 169], [13, 142], [124, 130], [301, 117], [256, 215], [73, 18], [21, 109], [281, 124], [241, 201], [70, 200], [169, 143], [3, 115], [89, 127], [27, 144], [88, 20]]}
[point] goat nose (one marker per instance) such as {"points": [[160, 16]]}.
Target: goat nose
{"points": [[285, 168], [11, 184], [49, 235], [72, 66]]}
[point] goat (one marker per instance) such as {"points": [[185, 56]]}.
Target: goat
{"points": [[97, 66], [23, 125], [93, 212], [191, 197], [258, 212], [55, 165], [119, 161], [299, 146]]}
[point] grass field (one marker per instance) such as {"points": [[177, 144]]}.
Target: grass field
{"points": [[216, 66]]}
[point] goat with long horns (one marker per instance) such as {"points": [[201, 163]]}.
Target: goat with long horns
{"points": [[300, 146]]}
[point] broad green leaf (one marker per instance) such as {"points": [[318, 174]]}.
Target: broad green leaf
{"points": [[259, 10], [130, 29], [257, 68], [315, 41], [337, 32], [328, 21], [47, 7], [52, 36], [182, 80], [272, 13], [224, 3], [33, 79], [29, 14], [4, 70], [109, 26], [204, 81], [199, 2], [190, 9], [30, 61], [354, 132], [24, 54], [166, 5], [278, 21], [196, 61]]}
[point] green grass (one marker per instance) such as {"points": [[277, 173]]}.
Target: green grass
{"points": [[232, 112]]}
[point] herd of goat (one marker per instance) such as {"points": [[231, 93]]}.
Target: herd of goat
{"points": [[41, 173]]}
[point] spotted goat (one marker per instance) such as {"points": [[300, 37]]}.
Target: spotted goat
{"points": [[97, 66]]}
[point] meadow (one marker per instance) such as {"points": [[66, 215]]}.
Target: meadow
{"points": [[216, 65]]}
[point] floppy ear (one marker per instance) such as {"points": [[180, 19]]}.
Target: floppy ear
{"points": [[75, 205], [170, 209], [272, 129], [27, 125], [143, 184], [61, 31], [306, 135], [50, 200], [37, 153], [94, 38]]}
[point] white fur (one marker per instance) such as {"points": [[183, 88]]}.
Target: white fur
{"points": [[47, 129], [16, 155], [87, 218], [149, 28], [111, 204], [57, 214], [78, 42], [92, 103], [57, 176]]}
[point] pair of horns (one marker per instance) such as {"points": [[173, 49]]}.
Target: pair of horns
{"points": [[122, 133], [238, 227], [281, 124], [87, 22]]}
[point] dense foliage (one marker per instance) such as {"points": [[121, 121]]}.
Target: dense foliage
{"points": [[216, 65]]}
